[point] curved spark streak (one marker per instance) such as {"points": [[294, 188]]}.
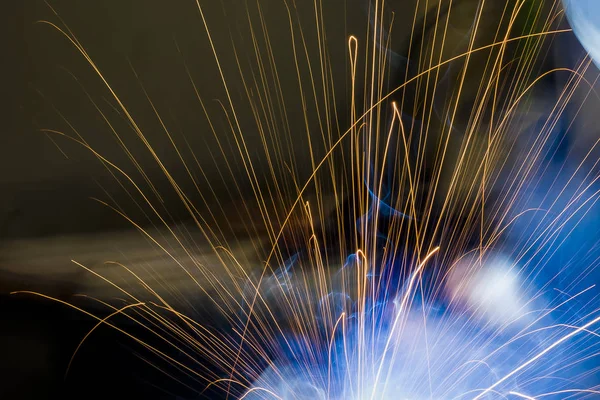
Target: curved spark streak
{"points": [[539, 355], [400, 311], [304, 330]]}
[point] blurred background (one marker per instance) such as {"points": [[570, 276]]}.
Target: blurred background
{"points": [[158, 50], [47, 216]]}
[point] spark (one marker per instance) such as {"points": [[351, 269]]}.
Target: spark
{"points": [[433, 274]]}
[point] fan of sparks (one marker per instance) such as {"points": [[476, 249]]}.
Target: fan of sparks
{"points": [[424, 241]]}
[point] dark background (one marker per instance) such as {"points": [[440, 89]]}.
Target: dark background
{"points": [[46, 181]]}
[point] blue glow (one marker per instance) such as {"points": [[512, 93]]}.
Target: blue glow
{"points": [[584, 17]]}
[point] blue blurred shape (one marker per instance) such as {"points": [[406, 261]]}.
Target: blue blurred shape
{"points": [[584, 18]]}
